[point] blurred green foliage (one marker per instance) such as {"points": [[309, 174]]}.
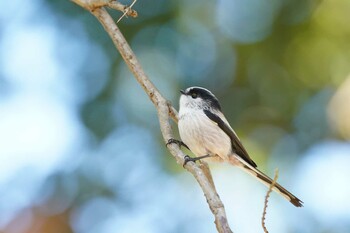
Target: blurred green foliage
{"points": [[275, 73]]}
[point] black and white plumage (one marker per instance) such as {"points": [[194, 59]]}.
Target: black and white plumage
{"points": [[205, 130]]}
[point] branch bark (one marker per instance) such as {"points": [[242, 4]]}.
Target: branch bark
{"points": [[164, 108]]}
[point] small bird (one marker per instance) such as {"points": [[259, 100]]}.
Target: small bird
{"points": [[205, 131]]}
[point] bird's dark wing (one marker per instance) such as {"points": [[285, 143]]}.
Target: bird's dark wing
{"points": [[237, 146]]}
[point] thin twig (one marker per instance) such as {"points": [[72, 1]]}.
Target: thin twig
{"points": [[267, 200], [165, 112], [127, 10], [91, 5]]}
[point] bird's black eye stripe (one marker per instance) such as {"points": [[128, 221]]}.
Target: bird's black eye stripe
{"points": [[205, 95]]}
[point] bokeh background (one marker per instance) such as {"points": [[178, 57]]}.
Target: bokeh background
{"points": [[80, 146]]}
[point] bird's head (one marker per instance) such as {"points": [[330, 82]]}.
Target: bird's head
{"points": [[198, 98]]}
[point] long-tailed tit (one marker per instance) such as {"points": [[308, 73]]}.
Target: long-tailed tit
{"points": [[205, 131]]}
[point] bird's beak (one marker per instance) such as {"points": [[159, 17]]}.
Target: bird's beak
{"points": [[182, 92]]}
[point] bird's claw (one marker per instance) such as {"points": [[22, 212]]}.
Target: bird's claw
{"points": [[188, 159], [171, 141], [178, 142]]}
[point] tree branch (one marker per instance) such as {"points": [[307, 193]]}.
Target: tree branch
{"points": [[164, 108], [93, 4]]}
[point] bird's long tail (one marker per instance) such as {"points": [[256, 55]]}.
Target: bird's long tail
{"points": [[267, 181]]}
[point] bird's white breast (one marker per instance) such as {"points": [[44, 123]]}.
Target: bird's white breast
{"points": [[202, 135]]}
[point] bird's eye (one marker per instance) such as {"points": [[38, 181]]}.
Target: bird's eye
{"points": [[194, 95]]}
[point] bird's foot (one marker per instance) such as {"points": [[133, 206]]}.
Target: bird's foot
{"points": [[190, 159], [178, 142]]}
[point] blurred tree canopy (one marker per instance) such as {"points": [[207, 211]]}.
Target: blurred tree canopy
{"points": [[280, 69]]}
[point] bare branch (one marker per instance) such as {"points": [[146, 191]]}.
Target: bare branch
{"points": [[165, 112], [91, 5], [267, 200]]}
